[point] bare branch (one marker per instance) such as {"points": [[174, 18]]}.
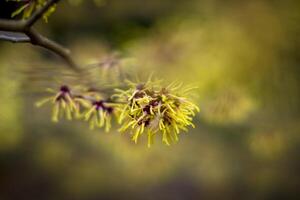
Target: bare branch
{"points": [[42, 41], [30, 35], [12, 25]]}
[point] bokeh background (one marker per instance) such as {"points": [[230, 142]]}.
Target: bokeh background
{"points": [[243, 56]]}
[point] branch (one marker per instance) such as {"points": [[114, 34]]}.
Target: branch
{"points": [[22, 31], [37, 39], [12, 25], [14, 37]]}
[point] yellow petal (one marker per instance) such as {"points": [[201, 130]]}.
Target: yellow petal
{"points": [[55, 113]]}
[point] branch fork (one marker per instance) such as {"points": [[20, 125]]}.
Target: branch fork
{"points": [[22, 31]]}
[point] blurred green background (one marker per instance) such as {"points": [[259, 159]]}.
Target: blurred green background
{"points": [[243, 56]]}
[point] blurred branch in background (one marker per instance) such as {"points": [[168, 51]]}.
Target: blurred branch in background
{"points": [[33, 36]]}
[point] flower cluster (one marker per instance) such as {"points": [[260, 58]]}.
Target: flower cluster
{"points": [[87, 105], [29, 6], [142, 109], [154, 110]]}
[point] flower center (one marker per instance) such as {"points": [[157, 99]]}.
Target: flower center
{"points": [[64, 89], [100, 105]]}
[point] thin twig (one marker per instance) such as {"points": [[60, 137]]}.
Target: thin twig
{"points": [[37, 39]]}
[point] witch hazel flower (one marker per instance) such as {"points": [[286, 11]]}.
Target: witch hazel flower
{"points": [[63, 103], [155, 110], [99, 115], [79, 104], [27, 8]]}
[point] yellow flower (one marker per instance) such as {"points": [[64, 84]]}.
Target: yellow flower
{"points": [[99, 115], [81, 104], [28, 7], [154, 110], [63, 103]]}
